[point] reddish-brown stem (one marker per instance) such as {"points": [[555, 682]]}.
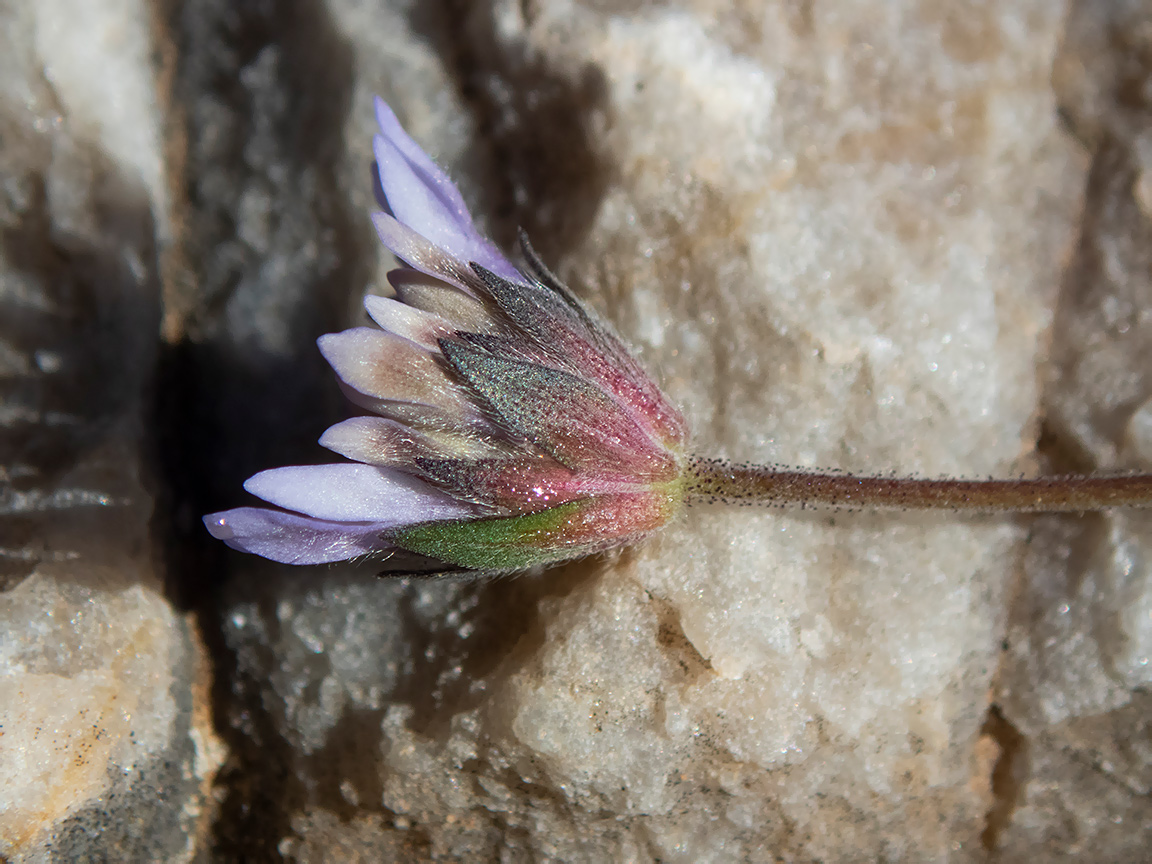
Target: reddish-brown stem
{"points": [[720, 481]]}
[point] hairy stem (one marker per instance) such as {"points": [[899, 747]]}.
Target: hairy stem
{"points": [[715, 480]]}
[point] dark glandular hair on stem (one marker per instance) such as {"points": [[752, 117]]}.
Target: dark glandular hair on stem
{"points": [[722, 482]]}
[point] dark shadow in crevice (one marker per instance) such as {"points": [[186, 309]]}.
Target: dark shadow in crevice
{"points": [[537, 121], [497, 623], [350, 760], [676, 645], [260, 94], [1009, 775]]}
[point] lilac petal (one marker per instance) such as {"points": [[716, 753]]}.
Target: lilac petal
{"points": [[293, 539], [430, 294], [419, 162], [354, 493], [422, 197], [415, 204], [416, 416], [384, 366], [417, 251], [379, 441], [373, 440], [408, 322]]}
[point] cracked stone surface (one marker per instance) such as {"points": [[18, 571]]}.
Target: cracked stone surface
{"points": [[107, 747], [871, 236]]}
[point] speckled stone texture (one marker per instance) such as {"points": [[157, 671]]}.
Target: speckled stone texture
{"points": [[107, 746], [873, 236]]}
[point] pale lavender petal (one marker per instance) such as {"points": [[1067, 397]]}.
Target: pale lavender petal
{"points": [[430, 294], [415, 204], [383, 366], [379, 441], [293, 539], [408, 322], [417, 416], [422, 197], [419, 162], [416, 251], [354, 493], [376, 441]]}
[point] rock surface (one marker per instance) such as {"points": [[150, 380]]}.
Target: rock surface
{"points": [[107, 748], [1075, 679], [874, 237]]}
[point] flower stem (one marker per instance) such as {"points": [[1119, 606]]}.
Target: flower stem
{"points": [[719, 481]]}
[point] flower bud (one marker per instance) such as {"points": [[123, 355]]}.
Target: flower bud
{"points": [[510, 426]]}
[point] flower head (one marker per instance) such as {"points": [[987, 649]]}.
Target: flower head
{"points": [[510, 427]]}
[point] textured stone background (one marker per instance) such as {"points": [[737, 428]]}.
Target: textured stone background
{"points": [[868, 235]]}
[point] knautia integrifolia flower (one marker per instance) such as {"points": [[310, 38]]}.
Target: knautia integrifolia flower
{"points": [[511, 428]]}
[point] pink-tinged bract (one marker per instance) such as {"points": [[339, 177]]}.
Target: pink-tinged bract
{"points": [[510, 427]]}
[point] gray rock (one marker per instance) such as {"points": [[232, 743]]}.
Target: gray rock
{"points": [[887, 238], [796, 230], [107, 750], [1075, 677]]}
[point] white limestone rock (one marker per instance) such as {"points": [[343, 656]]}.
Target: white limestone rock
{"points": [[1079, 662], [106, 745], [837, 234]]}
